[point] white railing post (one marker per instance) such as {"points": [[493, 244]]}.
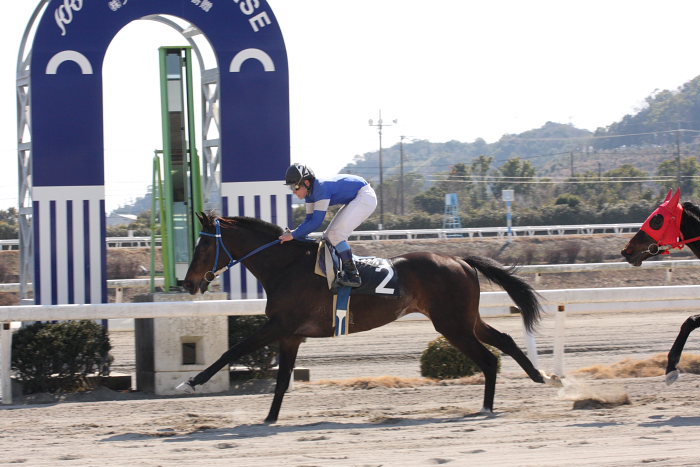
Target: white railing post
{"points": [[531, 345], [6, 362], [558, 350]]}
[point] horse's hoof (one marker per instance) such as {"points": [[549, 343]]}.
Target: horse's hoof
{"points": [[672, 376], [552, 380], [185, 387]]}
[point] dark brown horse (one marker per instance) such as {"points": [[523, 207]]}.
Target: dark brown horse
{"points": [[671, 225], [299, 304]]}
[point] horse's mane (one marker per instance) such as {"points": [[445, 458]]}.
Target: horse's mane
{"points": [[693, 210], [250, 223], [260, 227]]}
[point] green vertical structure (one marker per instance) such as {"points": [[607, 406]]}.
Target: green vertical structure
{"points": [[180, 196]]}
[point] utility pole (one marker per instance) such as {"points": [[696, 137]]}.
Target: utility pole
{"points": [[678, 157], [571, 163], [380, 124], [401, 174]]}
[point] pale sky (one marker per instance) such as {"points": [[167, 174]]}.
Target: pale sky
{"points": [[447, 70]]}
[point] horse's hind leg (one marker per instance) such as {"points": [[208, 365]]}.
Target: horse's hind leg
{"points": [[484, 359], [289, 346], [507, 345], [674, 355]]}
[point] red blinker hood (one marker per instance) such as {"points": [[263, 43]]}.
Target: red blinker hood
{"points": [[670, 232]]}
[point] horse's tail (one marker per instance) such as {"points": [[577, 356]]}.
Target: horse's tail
{"points": [[522, 293]]}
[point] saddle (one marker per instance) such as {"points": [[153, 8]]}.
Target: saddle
{"points": [[378, 278], [378, 274]]}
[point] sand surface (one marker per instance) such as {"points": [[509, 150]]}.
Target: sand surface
{"points": [[415, 425]]}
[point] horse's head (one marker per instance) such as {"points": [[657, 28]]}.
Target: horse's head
{"points": [[659, 233], [205, 259], [225, 242]]}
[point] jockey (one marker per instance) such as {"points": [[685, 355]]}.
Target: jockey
{"points": [[359, 202]]}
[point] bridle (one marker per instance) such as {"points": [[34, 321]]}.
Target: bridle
{"points": [[212, 274], [666, 239]]}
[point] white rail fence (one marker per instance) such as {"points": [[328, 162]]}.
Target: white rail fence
{"points": [[556, 302], [668, 265], [518, 231], [470, 232]]}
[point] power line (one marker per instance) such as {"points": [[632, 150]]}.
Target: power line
{"points": [[572, 182]]}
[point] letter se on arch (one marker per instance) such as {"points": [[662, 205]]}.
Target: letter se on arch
{"points": [[248, 7]]}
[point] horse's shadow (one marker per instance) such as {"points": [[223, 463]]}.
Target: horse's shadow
{"points": [[262, 430], [677, 421]]}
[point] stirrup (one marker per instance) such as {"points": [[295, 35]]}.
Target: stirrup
{"points": [[348, 280]]}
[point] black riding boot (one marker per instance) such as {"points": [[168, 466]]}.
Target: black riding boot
{"points": [[348, 275]]}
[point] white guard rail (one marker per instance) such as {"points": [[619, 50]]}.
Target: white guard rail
{"points": [[668, 265], [683, 297], [470, 232]]}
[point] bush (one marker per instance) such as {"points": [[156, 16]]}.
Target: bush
{"points": [[592, 255], [242, 327], [58, 356], [123, 265], [571, 251], [441, 360], [5, 272]]}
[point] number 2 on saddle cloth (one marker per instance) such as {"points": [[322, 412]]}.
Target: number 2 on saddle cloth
{"points": [[378, 278]]}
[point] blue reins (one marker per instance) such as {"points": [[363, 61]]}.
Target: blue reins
{"points": [[213, 274]]}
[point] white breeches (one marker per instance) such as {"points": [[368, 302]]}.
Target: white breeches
{"points": [[351, 215]]}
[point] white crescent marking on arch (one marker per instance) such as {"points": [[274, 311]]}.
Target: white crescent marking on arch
{"points": [[256, 54], [69, 55]]}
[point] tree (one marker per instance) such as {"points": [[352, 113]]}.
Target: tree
{"points": [[515, 174], [431, 201], [9, 224], [481, 166], [457, 179], [689, 170], [627, 182]]}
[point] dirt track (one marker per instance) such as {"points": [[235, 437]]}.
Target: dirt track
{"points": [[402, 421], [415, 425]]}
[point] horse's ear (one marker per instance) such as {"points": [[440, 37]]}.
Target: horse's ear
{"points": [[668, 195], [676, 198], [204, 219]]}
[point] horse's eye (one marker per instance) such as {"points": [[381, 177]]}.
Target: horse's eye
{"points": [[656, 222]]}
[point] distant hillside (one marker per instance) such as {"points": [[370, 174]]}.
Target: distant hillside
{"points": [[670, 121], [667, 118], [427, 158]]}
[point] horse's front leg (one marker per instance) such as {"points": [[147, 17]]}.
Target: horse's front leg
{"points": [[288, 348], [674, 355], [267, 334]]}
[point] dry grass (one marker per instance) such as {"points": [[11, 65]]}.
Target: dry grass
{"points": [[395, 382], [631, 368], [627, 368]]}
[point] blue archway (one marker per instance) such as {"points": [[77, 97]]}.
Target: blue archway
{"points": [[67, 155]]}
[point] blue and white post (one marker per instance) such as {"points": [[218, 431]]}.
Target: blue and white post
{"points": [[508, 198]]}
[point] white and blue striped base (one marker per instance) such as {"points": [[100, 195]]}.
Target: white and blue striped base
{"points": [[69, 245], [270, 201]]}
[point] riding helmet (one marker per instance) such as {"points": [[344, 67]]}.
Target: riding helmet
{"points": [[296, 173]]}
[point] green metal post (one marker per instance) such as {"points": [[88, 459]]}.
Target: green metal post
{"points": [[166, 221], [181, 165], [197, 204]]}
